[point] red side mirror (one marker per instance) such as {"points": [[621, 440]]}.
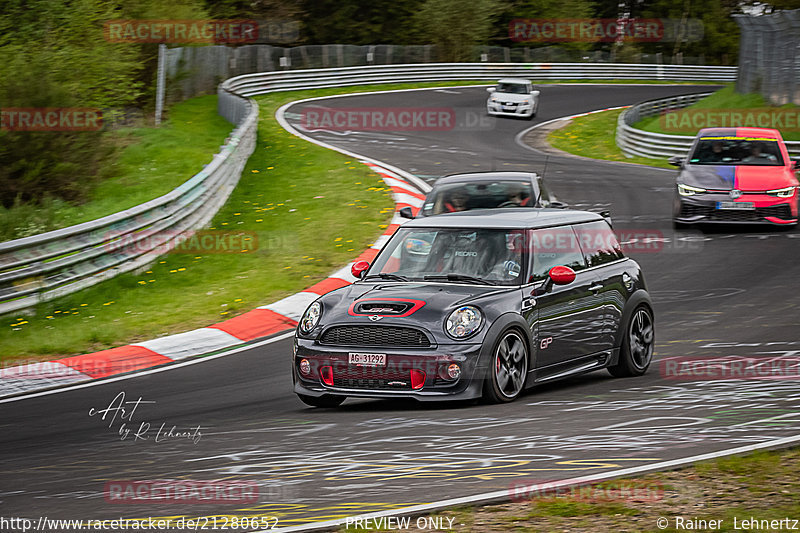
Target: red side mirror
{"points": [[562, 275], [359, 267]]}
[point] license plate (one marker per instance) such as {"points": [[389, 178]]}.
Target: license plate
{"points": [[509, 108], [367, 359], [739, 206]]}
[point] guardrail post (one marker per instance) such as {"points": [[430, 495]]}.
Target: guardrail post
{"points": [[161, 80]]}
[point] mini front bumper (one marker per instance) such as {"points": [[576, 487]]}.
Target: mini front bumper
{"points": [[332, 374], [705, 208]]}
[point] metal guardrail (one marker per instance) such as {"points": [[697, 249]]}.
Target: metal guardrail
{"points": [[260, 83], [59, 262], [635, 142], [45, 266]]}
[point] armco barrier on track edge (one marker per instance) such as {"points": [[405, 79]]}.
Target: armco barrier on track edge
{"points": [[249, 327]]}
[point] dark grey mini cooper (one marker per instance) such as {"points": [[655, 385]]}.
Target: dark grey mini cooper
{"points": [[480, 303]]}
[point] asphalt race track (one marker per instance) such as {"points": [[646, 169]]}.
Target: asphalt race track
{"points": [[731, 292]]}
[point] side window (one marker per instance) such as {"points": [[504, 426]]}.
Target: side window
{"points": [[598, 242], [554, 247]]}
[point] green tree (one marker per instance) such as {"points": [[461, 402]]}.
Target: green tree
{"points": [[55, 54], [456, 27], [359, 21], [720, 41]]}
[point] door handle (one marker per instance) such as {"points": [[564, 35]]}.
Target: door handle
{"points": [[596, 287]]}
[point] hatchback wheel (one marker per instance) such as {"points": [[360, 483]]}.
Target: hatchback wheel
{"points": [[508, 369], [637, 345]]}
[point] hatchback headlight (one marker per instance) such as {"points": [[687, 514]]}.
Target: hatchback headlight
{"points": [[786, 192], [463, 322], [311, 317], [688, 190]]}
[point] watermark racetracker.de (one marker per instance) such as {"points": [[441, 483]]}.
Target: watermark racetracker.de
{"points": [[778, 365], [689, 121], [605, 30], [196, 242], [392, 119], [208, 31], [619, 490], [69, 119]]}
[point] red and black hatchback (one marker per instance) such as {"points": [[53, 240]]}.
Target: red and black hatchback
{"points": [[478, 303], [736, 175]]}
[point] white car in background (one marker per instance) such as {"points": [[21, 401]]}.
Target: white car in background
{"points": [[513, 97]]}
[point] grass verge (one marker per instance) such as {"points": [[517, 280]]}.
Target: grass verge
{"points": [[594, 136], [761, 486], [148, 162], [724, 99]]}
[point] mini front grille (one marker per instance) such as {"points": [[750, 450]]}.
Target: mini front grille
{"points": [[374, 336], [370, 372], [373, 384]]}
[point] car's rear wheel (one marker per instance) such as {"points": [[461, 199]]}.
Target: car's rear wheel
{"points": [[508, 369], [326, 400], [636, 352]]}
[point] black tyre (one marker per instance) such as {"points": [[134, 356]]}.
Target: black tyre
{"points": [[325, 400], [636, 352], [508, 369]]}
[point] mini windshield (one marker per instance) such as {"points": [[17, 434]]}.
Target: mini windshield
{"points": [[513, 88], [728, 150], [487, 256], [479, 195]]}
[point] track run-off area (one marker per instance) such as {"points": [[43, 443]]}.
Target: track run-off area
{"points": [[730, 293]]}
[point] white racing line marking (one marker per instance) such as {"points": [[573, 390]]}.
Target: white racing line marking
{"points": [[199, 359], [505, 495], [520, 135]]}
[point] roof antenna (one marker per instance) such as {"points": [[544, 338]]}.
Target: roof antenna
{"points": [[544, 171]]}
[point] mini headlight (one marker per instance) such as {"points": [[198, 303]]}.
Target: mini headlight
{"points": [[311, 317], [688, 190], [786, 192], [463, 322]]}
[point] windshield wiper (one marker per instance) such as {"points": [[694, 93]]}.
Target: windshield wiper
{"points": [[459, 277], [384, 275]]}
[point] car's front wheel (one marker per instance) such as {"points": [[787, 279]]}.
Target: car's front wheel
{"points": [[636, 352], [326, 400], [508, 369]]}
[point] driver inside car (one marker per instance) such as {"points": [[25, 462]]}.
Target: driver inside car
{"points": [[451, 201], [517, 196]]}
